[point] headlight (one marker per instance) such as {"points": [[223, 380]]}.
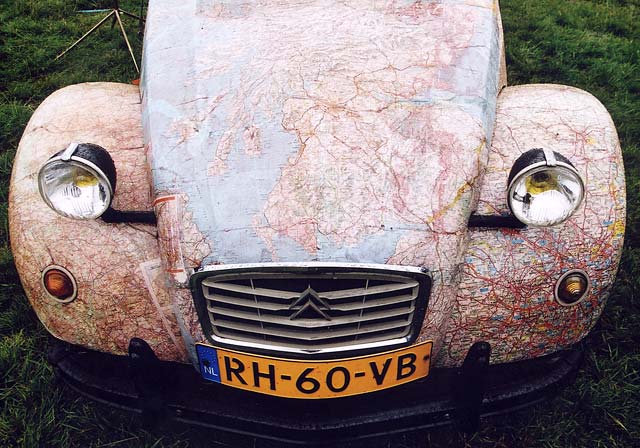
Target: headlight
{"points": [[78, 182], [544, 188]]}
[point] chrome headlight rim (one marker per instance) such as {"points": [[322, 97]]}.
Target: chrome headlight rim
{"points": [[90, 157], [538, 160]]}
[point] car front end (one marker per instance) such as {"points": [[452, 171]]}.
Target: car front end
{"points": [[319, 222]]}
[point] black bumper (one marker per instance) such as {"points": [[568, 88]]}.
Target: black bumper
{"points": [[176, 391]]}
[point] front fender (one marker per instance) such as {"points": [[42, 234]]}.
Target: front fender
{"points": [[506, 295], [121, 285]]}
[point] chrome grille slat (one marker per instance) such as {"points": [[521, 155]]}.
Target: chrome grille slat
{"points": [[326, 345], [246, 303], [307, 336], [275, 319], [290, 294], [315, 310], [372, 290], [248, 290], [370, 303]]}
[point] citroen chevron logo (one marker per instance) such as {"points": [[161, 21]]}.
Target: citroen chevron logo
{"points": [[309, 304]]}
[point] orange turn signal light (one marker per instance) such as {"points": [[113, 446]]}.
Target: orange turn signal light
{"points": [[572, 288], [59, 284]]}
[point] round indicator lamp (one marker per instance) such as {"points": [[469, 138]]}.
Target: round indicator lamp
{"points": [[59, 284], [572, 288]]}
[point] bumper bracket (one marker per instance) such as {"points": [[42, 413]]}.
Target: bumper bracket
{"points": [[470, 387], [150, 381]]}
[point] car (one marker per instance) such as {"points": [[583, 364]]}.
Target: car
{"points": [[319, 221]]}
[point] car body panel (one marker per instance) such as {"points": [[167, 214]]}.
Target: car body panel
{"points": [[502, 292], [371, 130]]}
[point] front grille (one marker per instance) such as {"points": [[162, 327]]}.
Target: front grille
{"points": [[313, 310]]}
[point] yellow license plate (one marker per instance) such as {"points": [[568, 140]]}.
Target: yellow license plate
{"points": [[314, 379]]}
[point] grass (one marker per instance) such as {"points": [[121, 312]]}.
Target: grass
{"points": [[589, 44]]}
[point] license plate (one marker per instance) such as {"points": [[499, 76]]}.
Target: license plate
{"points": [[314, 379]]}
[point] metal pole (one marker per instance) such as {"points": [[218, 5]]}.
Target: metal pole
{"points": [[122, 11], [126, 39], [87, 33]]}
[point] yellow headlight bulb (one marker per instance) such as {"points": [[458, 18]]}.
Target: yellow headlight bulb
{"points": [[540, 182], [84, 179]]}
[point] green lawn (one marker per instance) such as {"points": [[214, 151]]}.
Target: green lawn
{"points": [[593, 45]]}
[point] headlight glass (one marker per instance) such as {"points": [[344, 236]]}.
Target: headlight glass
{"points": [[75, 188], [543, 195]]}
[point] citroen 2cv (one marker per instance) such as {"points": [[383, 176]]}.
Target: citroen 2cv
{"points": [[319, 220]]}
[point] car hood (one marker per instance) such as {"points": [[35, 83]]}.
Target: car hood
{"points": [[320, 130]]}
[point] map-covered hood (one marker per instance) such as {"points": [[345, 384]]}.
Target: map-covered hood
{"points": [[323, 130]]}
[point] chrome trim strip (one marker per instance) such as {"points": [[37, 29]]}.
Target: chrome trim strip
{"points": [[315, 264], [550, 157], [337, 349], [71, 149]]}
